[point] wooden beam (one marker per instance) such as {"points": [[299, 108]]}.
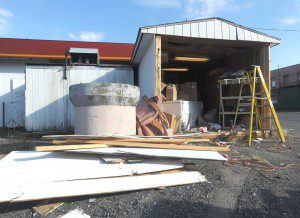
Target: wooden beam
{"points": [[143, 140], [158, 65], [130, 144], [265, 67]]}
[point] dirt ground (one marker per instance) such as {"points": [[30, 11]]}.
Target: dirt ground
{"points": [[270, 189]]}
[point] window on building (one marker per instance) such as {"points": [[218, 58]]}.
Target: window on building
{"points": [[286, 80], [298, 74], [273, 83]]}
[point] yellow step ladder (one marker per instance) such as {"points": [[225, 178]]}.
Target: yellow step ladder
{"points": [[252, 80]]}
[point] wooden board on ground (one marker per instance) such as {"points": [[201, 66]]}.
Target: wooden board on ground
{"points": [[61, 137], [143, 140], [48, 190], [158, 153], [32, 166], [240, 134], [130, 144], [47, 207]]}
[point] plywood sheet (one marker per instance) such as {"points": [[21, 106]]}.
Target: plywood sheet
{"points": [[48, 190], [148, 152], [30, 166]]}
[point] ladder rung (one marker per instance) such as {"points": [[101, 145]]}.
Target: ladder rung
{"points": [[245, 104], [261, 98]]}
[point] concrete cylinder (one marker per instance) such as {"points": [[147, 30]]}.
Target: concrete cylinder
{"points": [[104, 108]]}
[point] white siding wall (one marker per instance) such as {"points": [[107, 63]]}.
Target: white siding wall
{"points": [[146, 71], [47, 103], [12, 88]]}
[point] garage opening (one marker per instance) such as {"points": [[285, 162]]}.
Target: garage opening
{"points": [[195, 66]]}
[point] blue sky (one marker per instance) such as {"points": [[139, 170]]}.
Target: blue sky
{"points": [[119, 20]]}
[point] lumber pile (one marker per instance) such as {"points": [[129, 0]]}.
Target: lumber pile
{"points": [[152, 121], [75, 165]]}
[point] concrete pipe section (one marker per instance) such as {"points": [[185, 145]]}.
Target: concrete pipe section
{"points": [[104, 108]]}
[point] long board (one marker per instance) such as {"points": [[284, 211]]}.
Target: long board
{"points": [[142, 140], [32, 166], [61, 137], [148, 152], [46, 190], [130, 144]]}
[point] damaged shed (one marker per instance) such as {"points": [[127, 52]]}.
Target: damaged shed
{"points": [[192, 55]]}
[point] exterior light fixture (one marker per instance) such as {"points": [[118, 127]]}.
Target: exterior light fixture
{"points": [[176, 69], [199, 59]]}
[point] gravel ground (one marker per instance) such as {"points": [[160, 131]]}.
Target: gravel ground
{"points": [[231, 190]]}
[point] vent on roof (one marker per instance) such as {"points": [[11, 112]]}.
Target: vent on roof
{"points": [[84, 56]]}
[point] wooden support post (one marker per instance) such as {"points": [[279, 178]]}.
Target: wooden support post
{"points": [[265, 67], [158, 65]]}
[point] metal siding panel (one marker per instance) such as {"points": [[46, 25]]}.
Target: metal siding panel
{"points": [[178, 29], [225, 31], [152, 30], [12, 86], [240, 34], [211, 29], [261, 38], [247, 35], [267, 39], [42, 100], [202, 30], [35, 101], [170, 30], [254, 36], [186, 30], [218, 29], [194, 30], [44, 96], [161, 30], [232, 32]]}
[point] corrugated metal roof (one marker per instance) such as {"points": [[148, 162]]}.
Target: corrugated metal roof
{"points": [[210, 28], [55, 49]]}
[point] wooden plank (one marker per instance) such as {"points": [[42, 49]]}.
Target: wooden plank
{"points": [[32, 166], [171, 92], [59, 137], [47, 207], [35, 191], [149, 152], [210, 135], [174, 122], [267, 76], [130, 144], [158, 65], [143, 140]]}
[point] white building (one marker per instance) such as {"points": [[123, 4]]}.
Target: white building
{"points": [[34, 83]]}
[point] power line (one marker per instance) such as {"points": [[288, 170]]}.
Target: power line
{"points": [[273, 29]]}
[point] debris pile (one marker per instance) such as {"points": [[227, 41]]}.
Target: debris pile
{"points": [[151, 120], [77, 165]]}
